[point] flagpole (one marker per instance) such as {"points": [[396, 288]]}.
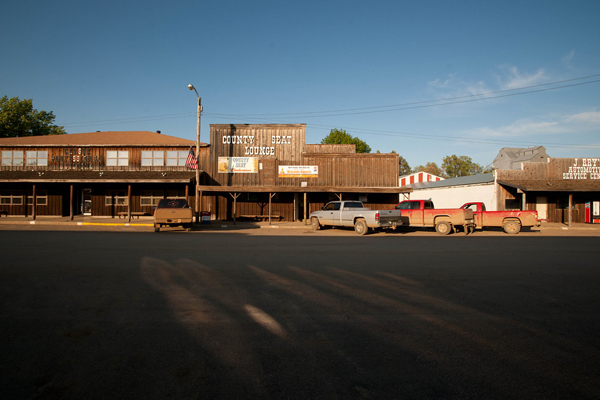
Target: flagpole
{"points": [[196, 197]]}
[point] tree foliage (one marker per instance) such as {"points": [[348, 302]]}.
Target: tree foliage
{"points": [[340, 136], [404, 167], [431, 168], [19, 118], [455, 166]]}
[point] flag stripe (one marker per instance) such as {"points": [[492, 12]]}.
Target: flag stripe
{"points": [[191, 161]]}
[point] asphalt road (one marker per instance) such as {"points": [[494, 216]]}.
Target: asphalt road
{"points": [[222, 315]]}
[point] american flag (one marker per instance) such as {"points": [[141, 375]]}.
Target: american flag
{"points": [[191, 161]]}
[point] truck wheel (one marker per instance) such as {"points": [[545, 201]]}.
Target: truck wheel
{"points": [[188, 227], [360, 226], [156, 227], [443, 228], [511, 226], [314, 222]]}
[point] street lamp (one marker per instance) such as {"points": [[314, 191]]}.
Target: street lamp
{"points": [[197, 208]]}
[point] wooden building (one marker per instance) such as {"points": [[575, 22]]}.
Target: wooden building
{"points": [[108, 174], [252, 171], [557, 189], [259, 170]]}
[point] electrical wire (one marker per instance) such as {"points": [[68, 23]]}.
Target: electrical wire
{"points": [[366, 110]]}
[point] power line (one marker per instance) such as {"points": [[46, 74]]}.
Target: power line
{"points": [[366, 110]]}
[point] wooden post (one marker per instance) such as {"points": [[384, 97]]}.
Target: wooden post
{"points": [[129, 202], [305, 210], [570, 208], [33, 207], [270, 197], [71, 202], [235, 196]]}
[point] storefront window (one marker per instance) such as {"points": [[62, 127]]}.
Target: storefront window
{"points": [[41, 198], [11, 197], [150, 197], [116, 199]]}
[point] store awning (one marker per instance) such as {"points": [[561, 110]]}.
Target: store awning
{"points": [[544, 185]]}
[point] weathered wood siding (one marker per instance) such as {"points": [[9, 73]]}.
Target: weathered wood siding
{"points": [[284, 145], [331, 148], [81, 158]]}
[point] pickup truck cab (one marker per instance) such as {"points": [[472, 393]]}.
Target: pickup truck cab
{"points": [[173, 212], [510, 221], [354, 213], [422, 213]]}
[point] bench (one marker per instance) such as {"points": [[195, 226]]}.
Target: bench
{"points": [[5, 213], [261, 217], [134, 214]]}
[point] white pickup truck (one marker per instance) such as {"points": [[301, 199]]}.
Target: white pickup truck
{"points": [[354, 213]]}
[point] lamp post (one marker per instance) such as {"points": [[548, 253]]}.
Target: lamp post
{"points": [[197, 208]]}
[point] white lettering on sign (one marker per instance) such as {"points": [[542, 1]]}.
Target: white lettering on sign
{"points": [[232, 139], [281, 140], [589, 169], [259, 151], [256, 150]]}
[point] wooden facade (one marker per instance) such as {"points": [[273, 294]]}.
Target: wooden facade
{"points": [[557, 189], [99, 174], [252, 167], [247, 170]]}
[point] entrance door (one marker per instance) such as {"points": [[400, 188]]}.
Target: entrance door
{"points": [[541, 206], [86, 206], [267, 175]]}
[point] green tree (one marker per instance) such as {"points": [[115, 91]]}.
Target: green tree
{"points": [[404, 167], [19, 118], [340, 136], [431, 168], [455, 166]]}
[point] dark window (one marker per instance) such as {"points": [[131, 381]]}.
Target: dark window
{"points": [[354, 204], [512, 204], [172, 203]]}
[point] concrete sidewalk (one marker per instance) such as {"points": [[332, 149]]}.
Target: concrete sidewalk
{"points": [[147, 221]]}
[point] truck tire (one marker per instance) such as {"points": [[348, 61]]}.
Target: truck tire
{"points": [[360, 226], [156, 227], [443, 227], [314, 222], [511, 226]]}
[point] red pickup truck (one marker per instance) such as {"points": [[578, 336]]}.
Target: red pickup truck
{"points": [[510, 221], [422, 213]]}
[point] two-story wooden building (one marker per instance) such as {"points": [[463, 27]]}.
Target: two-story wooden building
{"points": [[261, 170], [248, 171], [99, 173]]}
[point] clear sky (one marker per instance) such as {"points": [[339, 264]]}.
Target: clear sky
{"points": [[424, 78]]}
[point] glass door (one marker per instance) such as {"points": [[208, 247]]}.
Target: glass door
{"points": [[86, 206]]}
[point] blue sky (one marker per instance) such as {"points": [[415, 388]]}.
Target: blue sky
{"points": [[424, 78]]}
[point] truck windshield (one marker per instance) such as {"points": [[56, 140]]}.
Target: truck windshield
{"points": [[407, 205]]}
